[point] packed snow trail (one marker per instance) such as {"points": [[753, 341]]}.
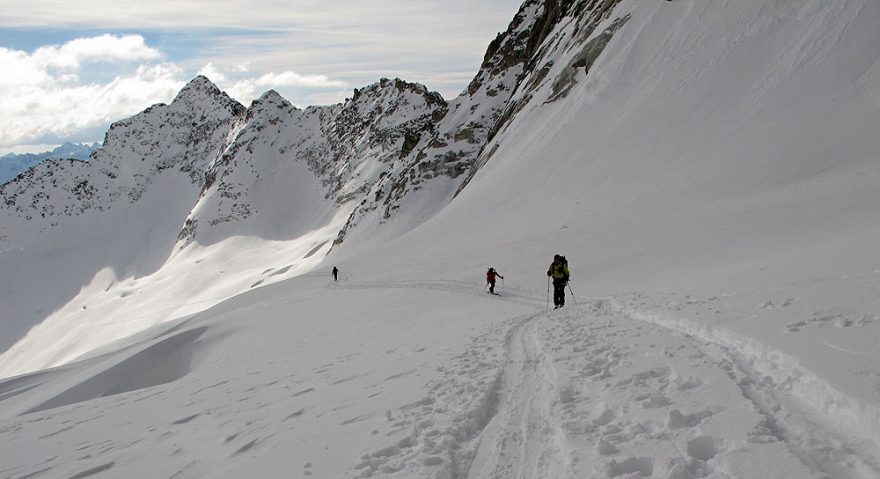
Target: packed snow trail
{"points": [[593, 391], [525, 438]]}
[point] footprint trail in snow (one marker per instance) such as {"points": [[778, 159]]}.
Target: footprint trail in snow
{"points": [[592, 392]]}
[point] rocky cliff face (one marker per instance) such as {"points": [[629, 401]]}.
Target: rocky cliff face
{"points": [[519, 61]]}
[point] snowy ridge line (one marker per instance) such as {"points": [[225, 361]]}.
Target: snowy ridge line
{"points": [[149, 359], [863, 420]]}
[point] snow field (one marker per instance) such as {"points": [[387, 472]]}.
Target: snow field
{"points": [[608, 390], [309, 381], [432, 379]]}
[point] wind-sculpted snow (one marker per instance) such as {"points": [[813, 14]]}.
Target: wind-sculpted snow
{"points": [[162, 362]]}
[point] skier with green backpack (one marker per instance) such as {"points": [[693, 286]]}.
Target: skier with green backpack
{"points": [[559, 272]]}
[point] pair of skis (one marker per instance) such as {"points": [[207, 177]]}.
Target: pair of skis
{"points": [[567, 283], [490, 292]]}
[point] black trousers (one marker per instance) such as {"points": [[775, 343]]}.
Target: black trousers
{"points": [[492, 286], [559, 291]]}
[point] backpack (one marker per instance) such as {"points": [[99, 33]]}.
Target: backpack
{"points": [[563, 268]]}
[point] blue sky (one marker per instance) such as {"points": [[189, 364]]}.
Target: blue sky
{"points": [[73, 67]]}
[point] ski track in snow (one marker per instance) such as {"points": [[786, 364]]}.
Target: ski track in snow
{"points": [[606, 390], [600, 389]]}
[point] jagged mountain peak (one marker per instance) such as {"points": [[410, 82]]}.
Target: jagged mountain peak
{"points": [[347, 148], [271, 96], [270, 104], [202, 95], [200, 85], [399, 86]]}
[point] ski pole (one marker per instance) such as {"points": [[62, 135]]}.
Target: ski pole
{"points": [[548, 293], [572, 293], [502, 284]]}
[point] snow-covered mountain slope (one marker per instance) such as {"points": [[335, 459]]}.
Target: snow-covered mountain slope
{"points": [[201, 181], [721, 153], [64, 222], [348, 148], [376, 166], [708, 168]]}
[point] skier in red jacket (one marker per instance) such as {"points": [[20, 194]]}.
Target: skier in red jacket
{"points": [[490, 278]]}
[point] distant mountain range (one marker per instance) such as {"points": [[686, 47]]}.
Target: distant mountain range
{"points": [[11, 165]]}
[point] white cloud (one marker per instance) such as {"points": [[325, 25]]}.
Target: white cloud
{"points": [[45, 99], [313, 51], [105, 48], [290, 78], [246, 89], [62, 110], [212, 73], [329, 98], [415, 40], [43, 96], [430, 15]]}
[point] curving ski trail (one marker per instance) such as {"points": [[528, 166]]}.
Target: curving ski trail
{"points": [[524, 439], [599, 391]]}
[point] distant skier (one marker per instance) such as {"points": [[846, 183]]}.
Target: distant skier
{"points": [[335, 273], [490, 279], [559, 272]]}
